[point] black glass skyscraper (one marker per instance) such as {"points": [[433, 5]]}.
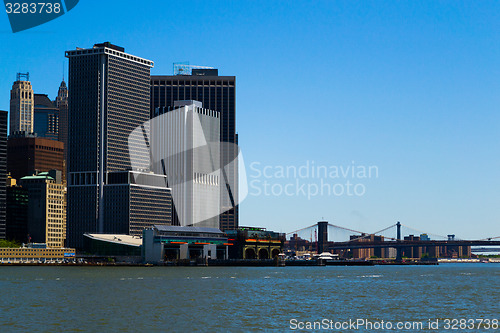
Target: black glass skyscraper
{"points": [[109, 98], [216, 93], [3, 171]]}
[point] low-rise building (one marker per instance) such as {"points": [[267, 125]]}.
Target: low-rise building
{"points": [[160, 244], [164, 243], [35, 254], [113, 245], [254, 243]]}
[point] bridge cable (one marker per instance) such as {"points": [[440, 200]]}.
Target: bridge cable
{"points": [[489, 238], [375, 233], [423, 232], [296, 231]]}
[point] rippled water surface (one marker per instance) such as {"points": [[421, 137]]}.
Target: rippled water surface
{"points": [[131, 299]]}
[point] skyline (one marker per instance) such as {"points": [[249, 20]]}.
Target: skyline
{"points": [[414, 97]]}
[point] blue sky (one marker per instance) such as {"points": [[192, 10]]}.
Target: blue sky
{"points": [[408, 87]]}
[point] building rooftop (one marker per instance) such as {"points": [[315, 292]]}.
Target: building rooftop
{"points": [[109, 49], [43, 101], [117, 239], [175, 228], [109, 45], [156, 78], [39, 176]]}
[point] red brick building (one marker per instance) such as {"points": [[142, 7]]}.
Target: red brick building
{"points": [[27, 154]]}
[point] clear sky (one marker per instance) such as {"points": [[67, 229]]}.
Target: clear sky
{"points": [[409, 87]]}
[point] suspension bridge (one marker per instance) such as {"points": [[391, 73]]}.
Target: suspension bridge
{"points": [[324, 236]]}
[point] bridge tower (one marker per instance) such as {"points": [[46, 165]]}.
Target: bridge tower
{"points": [[399, 257], [322, 236]]}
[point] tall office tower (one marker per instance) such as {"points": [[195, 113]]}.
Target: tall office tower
{"points": [[3, 171], [185, 145], [46, 208], [62, 105], [216, 93], [108, 98], [21, 105], [46, 118], [28, 153]]}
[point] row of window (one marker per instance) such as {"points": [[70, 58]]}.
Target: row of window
{"points": [[193, 83]]}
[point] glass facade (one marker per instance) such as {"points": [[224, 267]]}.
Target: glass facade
{"points": [[3, 172], [46, 118], [17, 214]]}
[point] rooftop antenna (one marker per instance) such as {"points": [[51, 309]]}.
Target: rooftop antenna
{"points": [[26, 76], [184, 68]]}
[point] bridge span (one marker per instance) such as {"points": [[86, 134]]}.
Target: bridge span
{"points": [[416, 245]]}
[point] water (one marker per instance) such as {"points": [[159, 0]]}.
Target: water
{"points": [[132, 299]]}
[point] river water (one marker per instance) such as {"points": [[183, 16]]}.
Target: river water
{"points": [[218, 299]]}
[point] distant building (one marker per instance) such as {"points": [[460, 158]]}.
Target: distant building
{"points": [[297, 243], [46, 208], [390, 252], [35, 254], [22, 102], [254, 243], [61, 103], [109, 97], [370, 252], [362, 253], [455, 251], [17, 212], [3, 172], [185, 146], [412, 251], [216, 93], [46, 118], [28, 154]]}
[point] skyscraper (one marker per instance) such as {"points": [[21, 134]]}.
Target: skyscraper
{"points": [[62, 105], [216, 93], [108, 98], [21, 105], [185, 146], [3, 172]]}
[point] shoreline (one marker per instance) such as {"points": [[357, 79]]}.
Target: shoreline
{"points": [[258, 263]]}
